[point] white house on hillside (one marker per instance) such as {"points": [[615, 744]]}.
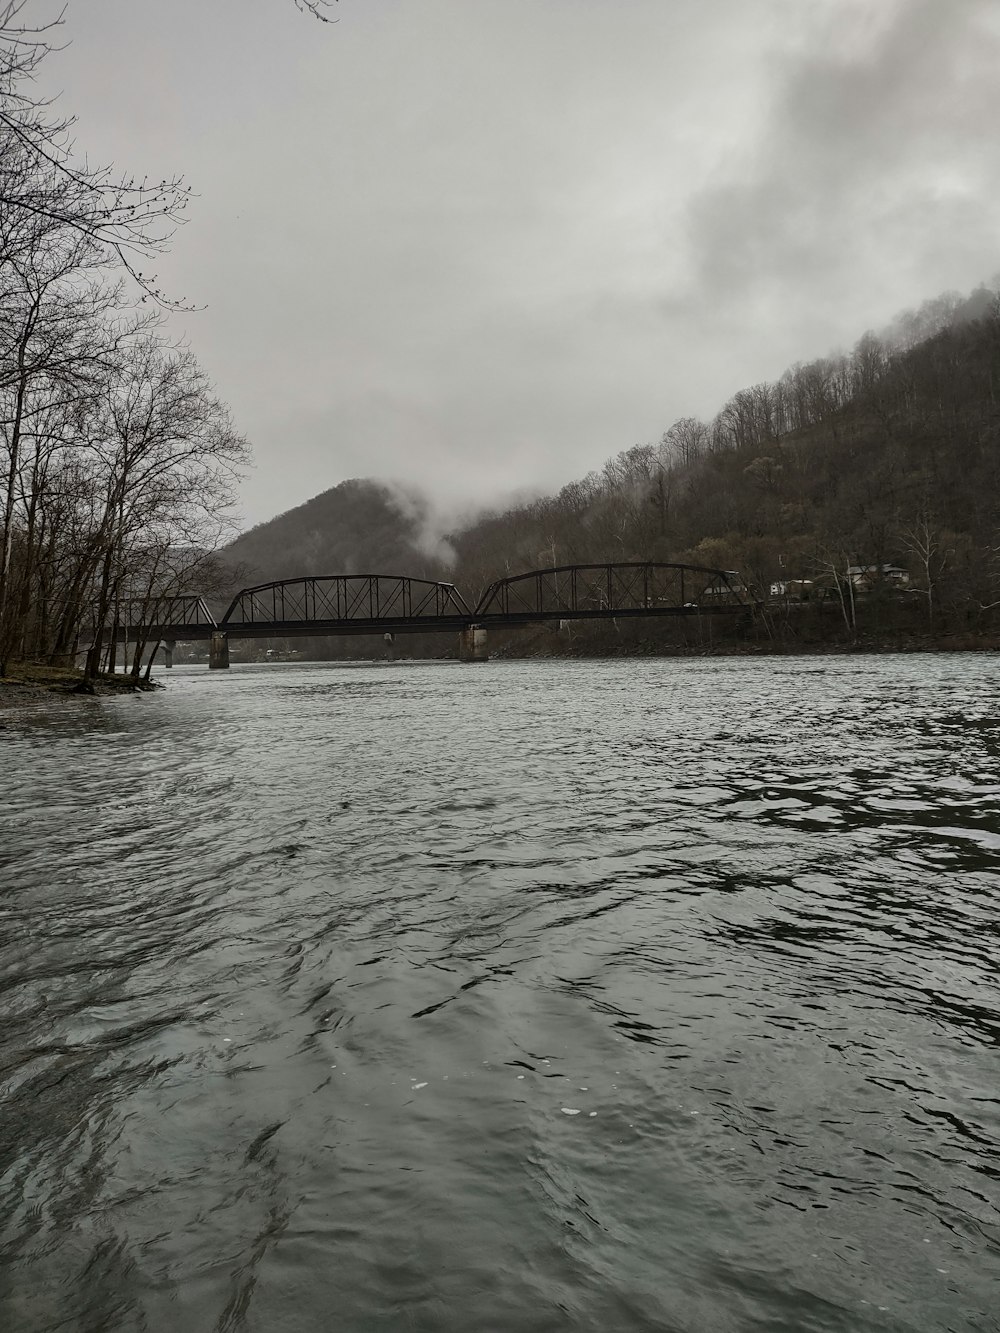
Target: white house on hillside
{"points": [[866, 576]]}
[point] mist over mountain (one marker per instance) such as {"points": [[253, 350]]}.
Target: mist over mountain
{"points": [[356, 527]]}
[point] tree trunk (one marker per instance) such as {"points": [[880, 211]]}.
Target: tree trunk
{"points": [[7, 550], [93, 664], [152, 655]]}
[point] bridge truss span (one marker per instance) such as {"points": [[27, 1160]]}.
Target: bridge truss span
{"points": [[157, 616], [600, 591], [318, 605], [345, 603]]}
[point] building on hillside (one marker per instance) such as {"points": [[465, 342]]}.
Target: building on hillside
{"points": [[865, 577], [795, 589], [724, 591]]}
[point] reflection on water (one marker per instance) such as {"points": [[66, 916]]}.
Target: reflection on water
{"points": [[527, 996]]}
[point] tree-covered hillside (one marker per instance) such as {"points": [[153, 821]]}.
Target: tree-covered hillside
{"points": [[887, 455], [358, 527]]}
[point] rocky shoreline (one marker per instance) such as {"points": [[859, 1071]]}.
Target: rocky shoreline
{"points": [[29, 682], [642, 639], [860, 648]]}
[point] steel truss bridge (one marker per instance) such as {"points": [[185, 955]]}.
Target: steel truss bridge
{"points": [[391, 604], [396, 604]]}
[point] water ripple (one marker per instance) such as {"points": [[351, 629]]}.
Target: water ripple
{"points": [[621, 995]]}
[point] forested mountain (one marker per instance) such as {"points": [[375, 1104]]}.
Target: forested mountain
{"points": [[887, 455], [358, 527]]}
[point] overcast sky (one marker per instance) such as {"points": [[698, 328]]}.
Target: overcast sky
{"points": [[481, 245]]}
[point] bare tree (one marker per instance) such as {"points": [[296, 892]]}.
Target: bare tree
{"points": [[166, 450], [924, 540], [316, 8], [55, 343], [128, 220], [685, 441]]}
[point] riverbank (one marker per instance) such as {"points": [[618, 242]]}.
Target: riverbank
{"points": [[638, 638], [26, 681]]}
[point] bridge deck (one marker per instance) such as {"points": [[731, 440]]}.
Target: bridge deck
{"points": [[288, 629]]}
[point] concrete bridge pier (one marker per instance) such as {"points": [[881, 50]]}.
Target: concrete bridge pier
{"points": [[472, 645], [218, 652], [168, 653]]}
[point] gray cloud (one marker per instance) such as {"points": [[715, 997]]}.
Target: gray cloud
{"points": [[481, 247], [872, 174]]}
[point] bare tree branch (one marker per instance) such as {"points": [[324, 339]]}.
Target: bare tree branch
{"points": [[43, 183], [315, 8]]}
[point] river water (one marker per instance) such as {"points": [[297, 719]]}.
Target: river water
{"points": [[623, 995]]}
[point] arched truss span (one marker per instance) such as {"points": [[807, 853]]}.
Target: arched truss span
{"points": [[580, 592], [344, 600]]}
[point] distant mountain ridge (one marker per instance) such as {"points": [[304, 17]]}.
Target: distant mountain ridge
{"points": [[356, 527]]}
